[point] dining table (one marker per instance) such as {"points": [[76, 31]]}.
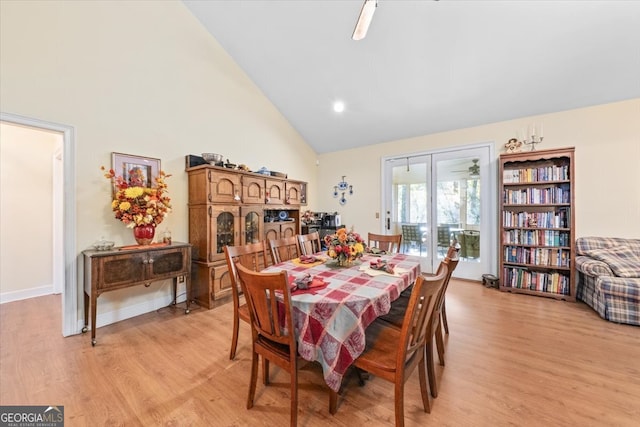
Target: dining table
{"points": [[331, 316]]}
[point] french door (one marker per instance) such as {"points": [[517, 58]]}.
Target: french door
{"points": [[436, 199]]}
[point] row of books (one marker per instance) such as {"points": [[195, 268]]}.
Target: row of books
{"points": [[541, 174], [521, 278], [560, 218], [547, 257], [534, 195], [536, 237]]}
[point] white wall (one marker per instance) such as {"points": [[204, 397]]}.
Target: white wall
{"points": [[26, 211], [607, 142], [141, 78]]}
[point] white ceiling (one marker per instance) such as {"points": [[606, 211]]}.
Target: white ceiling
{"points": [[427, 66]]}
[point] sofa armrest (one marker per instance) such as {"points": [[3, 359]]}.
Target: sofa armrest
{"points": [[593, 267]]}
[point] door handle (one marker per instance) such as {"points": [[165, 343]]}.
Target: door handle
{"points": [[388, 223]]}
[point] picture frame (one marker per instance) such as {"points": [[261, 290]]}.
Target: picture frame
{"points": [[135, 170]]}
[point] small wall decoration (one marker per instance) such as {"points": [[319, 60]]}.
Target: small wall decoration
{"points": [[342, 187], [136, 171]]}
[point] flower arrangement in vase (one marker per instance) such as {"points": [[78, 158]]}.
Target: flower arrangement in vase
{"points": [[138, 207], [344, 246]]}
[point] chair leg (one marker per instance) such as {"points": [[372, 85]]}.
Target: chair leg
{"points": [[265, 370], [440, 343], [333, 401], [424, 390], [294, 395], [234, 337], [431, 370], [399, 402], [362, 376], [253, 380], [443, 315]]}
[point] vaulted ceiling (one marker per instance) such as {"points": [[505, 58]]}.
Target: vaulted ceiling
{"points": [[427, 66]]}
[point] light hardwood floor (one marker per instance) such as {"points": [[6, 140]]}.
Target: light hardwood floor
{"points": [[510, 360]]}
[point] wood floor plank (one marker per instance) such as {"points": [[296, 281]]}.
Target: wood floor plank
{"points": [[510, 360]]}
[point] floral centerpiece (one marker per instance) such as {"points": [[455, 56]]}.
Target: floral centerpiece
{"points": [[136, 205], [344, 246]]}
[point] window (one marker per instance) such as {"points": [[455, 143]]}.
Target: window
{"points": [[412, 203]]}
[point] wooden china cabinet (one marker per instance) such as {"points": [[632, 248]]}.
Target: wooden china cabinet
{"points": [[234, 207]]}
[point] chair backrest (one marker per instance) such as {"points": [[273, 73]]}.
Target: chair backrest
{"points": [[411, 233], [271, 319], [284, 249], [417, 324], [449, 264], [389, 243], [309, 243], [471, 243], [253, 256], [444, 235]]}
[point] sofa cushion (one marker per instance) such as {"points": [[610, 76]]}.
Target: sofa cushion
{"points": [[585, 244], [621, 259]]}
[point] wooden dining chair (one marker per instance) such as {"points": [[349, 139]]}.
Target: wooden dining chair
{"points": [[284, 249], [253, 256], [393, 354], [309, 243], [390, 243], [395, 317], [267, 329]]}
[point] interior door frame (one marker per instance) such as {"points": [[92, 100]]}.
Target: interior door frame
{"points": [[70, 319], [489, 221]]}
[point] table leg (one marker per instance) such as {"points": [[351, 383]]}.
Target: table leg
{"points": [[86, 312], [175, 290], [187, 285], [94, 302]]}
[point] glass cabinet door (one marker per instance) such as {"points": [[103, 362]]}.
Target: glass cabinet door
{"points": [[252, 227], [251, 224], [225, 231]]}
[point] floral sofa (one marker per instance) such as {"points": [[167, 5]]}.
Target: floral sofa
{"points": [[608, 270]]}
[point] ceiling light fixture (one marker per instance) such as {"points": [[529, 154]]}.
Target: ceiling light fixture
{"points": [[338, 106], [364, 20]]}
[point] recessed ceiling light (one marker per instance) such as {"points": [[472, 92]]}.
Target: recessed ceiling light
{"points": [[338, 106]]}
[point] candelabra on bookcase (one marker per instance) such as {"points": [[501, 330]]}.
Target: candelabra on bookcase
{"points": [[533, 141], [532, 135]]}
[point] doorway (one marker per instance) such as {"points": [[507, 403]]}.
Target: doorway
{"points": [[440, 198], [63, 212]]}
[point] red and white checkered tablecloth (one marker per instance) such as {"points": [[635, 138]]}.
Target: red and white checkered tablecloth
{"points": [[330, 322]]}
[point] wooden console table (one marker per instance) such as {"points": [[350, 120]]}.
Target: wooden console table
{"points": [[121, 268]]}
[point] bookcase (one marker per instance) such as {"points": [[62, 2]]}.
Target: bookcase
{"points": [[537, 227]]}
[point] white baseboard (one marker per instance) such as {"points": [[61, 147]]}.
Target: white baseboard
{"points": [[147, 306], [25, 293], [130, 311]]}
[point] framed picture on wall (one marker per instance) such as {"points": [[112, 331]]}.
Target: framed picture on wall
{"points": [[137, 171]]}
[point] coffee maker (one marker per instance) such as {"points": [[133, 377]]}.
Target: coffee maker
{"points": [[329, 223], [332, 221]]}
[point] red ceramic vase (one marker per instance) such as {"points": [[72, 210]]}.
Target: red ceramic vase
{"points": [[144, 234]]}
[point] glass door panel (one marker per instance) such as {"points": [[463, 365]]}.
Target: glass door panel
{"points": [[441, 198], [407, 196], [461, 208]]}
